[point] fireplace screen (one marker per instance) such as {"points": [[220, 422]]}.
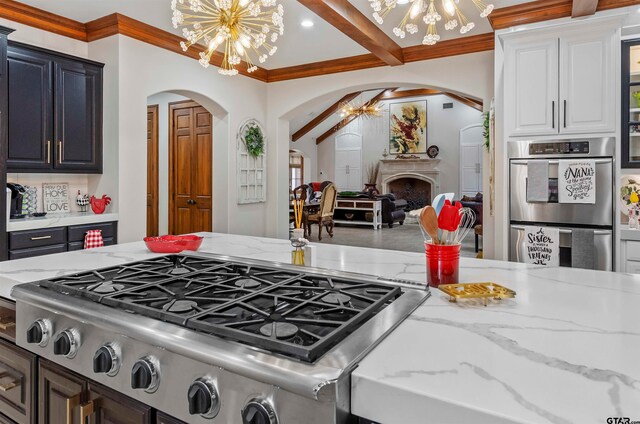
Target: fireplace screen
{"points": [[416, 192]]}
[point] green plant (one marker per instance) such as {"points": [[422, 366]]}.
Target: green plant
{"points": [[254, 140], [486, 133]]}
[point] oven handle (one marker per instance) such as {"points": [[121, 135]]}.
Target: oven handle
{"points": [[556, 161], [565, 231]]}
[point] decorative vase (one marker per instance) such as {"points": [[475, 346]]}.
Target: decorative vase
{"points": [[371, 190], [297, 234], [636, 97]]}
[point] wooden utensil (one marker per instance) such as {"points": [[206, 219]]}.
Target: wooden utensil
{"points": [[429, 223]]}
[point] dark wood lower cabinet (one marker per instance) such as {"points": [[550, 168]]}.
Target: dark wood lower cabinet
{"points": [[104, 406], [165, 419], [60, 394], [67, 398], [17, 393]]}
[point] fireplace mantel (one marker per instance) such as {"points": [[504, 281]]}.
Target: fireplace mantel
{"points": [[394, 162], [423, 169]]}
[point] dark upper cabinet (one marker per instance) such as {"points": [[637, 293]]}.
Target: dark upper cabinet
{"points": [[30, 110], [78, 116], [55, 112]]}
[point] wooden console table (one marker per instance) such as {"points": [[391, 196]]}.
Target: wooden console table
{"points": [[359, 207]]}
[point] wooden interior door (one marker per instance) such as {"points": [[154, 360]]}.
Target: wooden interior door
{"points": [[152, 170], [190, 168]]}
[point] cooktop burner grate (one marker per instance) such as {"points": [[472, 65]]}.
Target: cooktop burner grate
{"points": [[298, 314]]}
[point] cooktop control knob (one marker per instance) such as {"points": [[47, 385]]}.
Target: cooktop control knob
{"points": [[66, 343], [145, 374], [203, 398], [39, 332], [259, 411], [106, 361]]}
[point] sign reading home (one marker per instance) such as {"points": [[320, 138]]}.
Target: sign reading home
{"points": [[577, 181], [55, 197], [541, 246]]}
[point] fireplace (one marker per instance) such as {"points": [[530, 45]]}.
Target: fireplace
{"points": [[415, 180], [416, 192]]}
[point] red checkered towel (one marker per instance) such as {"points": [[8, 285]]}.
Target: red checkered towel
{"points": [[93, 239]]}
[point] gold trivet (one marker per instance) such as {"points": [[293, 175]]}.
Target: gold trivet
{"points": [[476, 291]]}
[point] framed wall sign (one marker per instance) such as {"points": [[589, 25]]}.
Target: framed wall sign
{"points": [[408, 127], [55, 197]]}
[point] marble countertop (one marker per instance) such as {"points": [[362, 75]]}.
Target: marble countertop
{"points": [[59, 220], [566, 349]]}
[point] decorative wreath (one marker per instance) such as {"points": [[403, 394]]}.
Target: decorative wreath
{"points": [[254, 140]]}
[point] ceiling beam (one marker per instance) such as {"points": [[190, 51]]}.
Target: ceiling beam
{"points": [[349, 20], [423, 92], [410, 93], [476, 104], [323, 116], [583, 8], [346, 121]]}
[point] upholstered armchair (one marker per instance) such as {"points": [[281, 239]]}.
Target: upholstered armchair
{"points": [[324, 215]]}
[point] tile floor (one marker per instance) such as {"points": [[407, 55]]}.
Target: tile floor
{"points": [[405, 237]]}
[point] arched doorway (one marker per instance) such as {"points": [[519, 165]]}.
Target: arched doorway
{"points": [[180, 179]]}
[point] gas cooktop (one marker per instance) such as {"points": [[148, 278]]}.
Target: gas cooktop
{"points": [[299, 314]]}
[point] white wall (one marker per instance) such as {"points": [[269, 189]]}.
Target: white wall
{"points": [[163, 100], [144, 70], [470, 74], [443, 130]]}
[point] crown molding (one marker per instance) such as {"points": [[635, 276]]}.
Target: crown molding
{"points": [[544, 10], [38, 18]]}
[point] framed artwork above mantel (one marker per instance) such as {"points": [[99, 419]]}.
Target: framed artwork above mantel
{"points": [[408, 128]]}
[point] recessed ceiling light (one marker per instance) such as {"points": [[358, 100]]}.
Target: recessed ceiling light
{"points": [[403, 1], [307, 23]]}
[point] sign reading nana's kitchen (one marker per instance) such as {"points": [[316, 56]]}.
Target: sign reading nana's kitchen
{"points": [[542, 246], [577, 181], [55, 197]]}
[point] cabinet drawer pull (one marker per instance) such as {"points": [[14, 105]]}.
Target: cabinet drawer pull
{"points": [[59, 152], [5, 387], [72, 402], [553, 114], [48, 151], [40, 238], [86, 411], [565, 114]]}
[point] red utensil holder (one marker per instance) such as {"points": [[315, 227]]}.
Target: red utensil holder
{"points": [[443, 263]]}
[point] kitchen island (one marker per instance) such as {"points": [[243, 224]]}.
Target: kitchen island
{"points": [[566, 349]]}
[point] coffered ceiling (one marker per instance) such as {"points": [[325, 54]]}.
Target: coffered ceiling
{"points": [[299, 45]]}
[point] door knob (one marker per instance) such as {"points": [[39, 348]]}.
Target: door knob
{"points": [[191, 202]]}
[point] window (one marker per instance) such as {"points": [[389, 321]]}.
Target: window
{"points": [[296, 169]]}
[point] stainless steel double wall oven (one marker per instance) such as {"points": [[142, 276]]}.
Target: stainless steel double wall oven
{"points": [[565, 216]]}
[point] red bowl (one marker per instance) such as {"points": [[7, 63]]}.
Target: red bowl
{"points": [[173, 244], [193, 242]]}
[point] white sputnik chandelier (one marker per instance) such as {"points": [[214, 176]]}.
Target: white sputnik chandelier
{"points": [[244, 28], [426, 9]]}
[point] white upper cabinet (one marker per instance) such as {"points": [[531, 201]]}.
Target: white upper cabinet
{"points": [[587, 85], [531, 86], [560, 82]]}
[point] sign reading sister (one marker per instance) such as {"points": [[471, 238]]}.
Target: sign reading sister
{"points": [[577, 181], [542, 246]]}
